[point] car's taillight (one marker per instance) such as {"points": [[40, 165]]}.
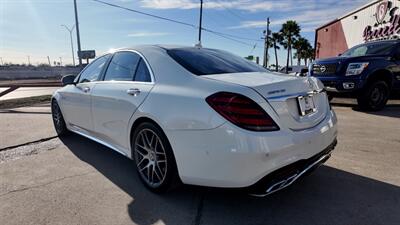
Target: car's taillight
{"points": [[241, 111]]}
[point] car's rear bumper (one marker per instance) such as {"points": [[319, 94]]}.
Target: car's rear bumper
{"points": [[232, 157], [287, 175]]}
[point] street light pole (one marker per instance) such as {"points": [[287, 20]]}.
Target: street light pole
{"points": [[77, 33], [200, 22], [72, 43], [266, 44]]}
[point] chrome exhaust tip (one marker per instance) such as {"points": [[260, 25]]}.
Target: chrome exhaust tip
{"points": [[283, 183]]}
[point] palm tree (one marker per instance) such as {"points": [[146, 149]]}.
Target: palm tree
{"points": [[275, 39], [301, 45], [309, 54], [289, 31]]}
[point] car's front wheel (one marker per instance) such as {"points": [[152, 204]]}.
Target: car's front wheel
{"points": [[374, 97], [58, 119], [154, 158]]}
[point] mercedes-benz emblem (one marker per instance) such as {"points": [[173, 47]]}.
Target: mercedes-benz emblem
{"points": [[323, 69]]}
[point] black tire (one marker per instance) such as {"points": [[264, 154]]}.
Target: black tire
{"points": [[156, 175], [330, 97], [374, 97], [58, 119]]}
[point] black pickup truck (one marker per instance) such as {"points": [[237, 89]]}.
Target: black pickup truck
{"points": [[370, 72]]}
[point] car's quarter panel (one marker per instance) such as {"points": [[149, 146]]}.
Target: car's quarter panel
{"points": [[184, 106], [113, 107]]}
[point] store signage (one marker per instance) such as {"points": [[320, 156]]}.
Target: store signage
{"points": [[384, 28]]}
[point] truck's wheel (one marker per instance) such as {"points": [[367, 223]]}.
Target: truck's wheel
{"points": [[374, 97]]}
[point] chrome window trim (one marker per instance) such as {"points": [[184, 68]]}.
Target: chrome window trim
{"points": [[145, 61]]}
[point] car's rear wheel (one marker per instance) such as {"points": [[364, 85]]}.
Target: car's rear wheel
{"points": [[154, 158], [58, 119], [374, 97]]}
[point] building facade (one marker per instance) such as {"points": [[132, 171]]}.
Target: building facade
{"points": [[377, 20]]}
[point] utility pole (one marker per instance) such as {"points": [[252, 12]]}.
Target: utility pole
{"points": [[72, 43], [77, 33], [60, 61], [266, 44], [48, 59], [29, 60], [200, 23]]}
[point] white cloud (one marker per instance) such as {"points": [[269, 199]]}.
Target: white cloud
{"points": [[309, 18], [308, 13], [246, 5], [147, 34]]}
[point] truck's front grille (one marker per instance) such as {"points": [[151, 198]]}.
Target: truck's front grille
{"points": [[324, 69]]}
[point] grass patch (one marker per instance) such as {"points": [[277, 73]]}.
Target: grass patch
{"points": [[22, 102]]}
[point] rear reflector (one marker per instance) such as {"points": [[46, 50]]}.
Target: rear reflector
{"points": [[241, 111]]}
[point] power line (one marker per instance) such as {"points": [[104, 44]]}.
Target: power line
{"points": [[223, 35], [239, 17], [227, 37], [232, 36], [230, 11], [147, 14]]}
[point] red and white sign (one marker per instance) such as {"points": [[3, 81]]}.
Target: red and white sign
{"points": [[384, 29], [381, 11]]}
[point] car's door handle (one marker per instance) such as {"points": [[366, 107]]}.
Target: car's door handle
{"points": [[86, 89], [133, 91]]}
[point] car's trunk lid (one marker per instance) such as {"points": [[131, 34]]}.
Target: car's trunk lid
{"points": [[282, 92]]}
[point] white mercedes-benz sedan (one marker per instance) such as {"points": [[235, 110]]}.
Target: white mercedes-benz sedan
{"points": [[199, 116]]}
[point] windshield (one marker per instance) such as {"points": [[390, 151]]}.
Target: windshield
{"points": [[210, 61], [378, 48]]}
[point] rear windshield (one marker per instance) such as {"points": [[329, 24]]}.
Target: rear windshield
{"points": [[377, 48], [210, 61]]}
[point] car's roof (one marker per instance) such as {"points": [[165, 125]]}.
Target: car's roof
{"points": [[144, 48], [165, 47]]}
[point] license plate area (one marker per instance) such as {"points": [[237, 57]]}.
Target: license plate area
{"points": [[306, 105]]}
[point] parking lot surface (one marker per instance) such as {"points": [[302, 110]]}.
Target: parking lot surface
{"points": [[28, 92], [76, 181]]}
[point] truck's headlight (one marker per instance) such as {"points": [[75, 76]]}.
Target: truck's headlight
{"points": [[356, 68]]}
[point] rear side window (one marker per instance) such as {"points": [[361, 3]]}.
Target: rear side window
{"points": [[209, 61], [122, 66], [142, 72]]}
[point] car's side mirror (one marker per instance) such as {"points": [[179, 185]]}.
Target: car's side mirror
{"points": [[340, 54], [68, 79]]}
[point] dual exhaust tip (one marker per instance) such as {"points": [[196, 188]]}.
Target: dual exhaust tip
{"points": [[287, 181]]}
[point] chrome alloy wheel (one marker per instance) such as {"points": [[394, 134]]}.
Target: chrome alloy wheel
{"points": [[150, 157], [57, 117]]}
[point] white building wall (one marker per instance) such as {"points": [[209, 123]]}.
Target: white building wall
{"points": [[354, 28]]}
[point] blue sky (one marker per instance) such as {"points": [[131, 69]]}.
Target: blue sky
{"points": [[33, 27]]}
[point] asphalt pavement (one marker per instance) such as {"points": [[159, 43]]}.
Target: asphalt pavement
{"points": [[23, 125], [25, 92], [77, 181]]}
